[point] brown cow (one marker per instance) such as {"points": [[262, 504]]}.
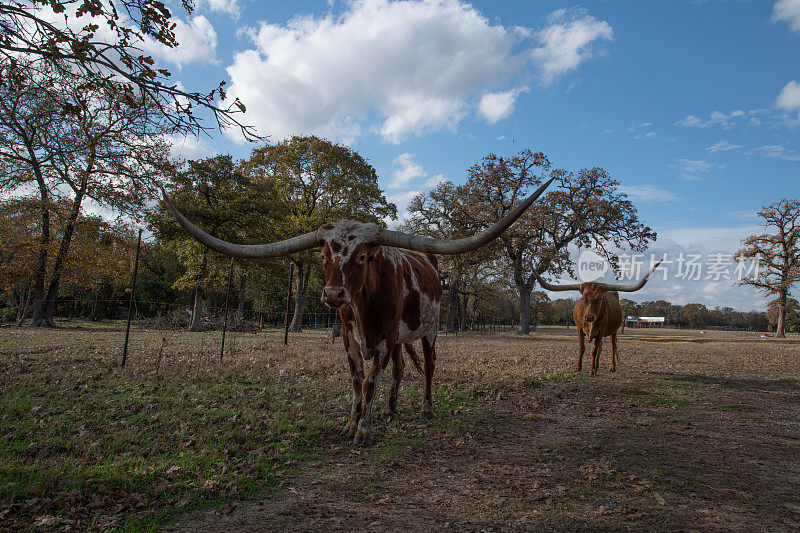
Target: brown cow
{"points": [[597, 314], [388, 292], [361, 277]]}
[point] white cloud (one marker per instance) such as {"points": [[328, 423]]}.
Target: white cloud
{"points": [[787, 11], [405, 170], [231, 7], [753, 117], [693, 169], [723, 146], [676, 283], [716, 119], [566, 42], [401, 200], [718, 239], [789, 98], [648, 193], [775, 152], [197, 39], [433, 181], [197, 43], [496, 106], [395, 68], [190, 147]]}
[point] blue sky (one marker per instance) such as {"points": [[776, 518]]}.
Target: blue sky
{"points": [[693, 106]]}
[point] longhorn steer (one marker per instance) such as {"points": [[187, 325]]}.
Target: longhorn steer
{"points": [[597, 314], [387, 289], [386, 297]]}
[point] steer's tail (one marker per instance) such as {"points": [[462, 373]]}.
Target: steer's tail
{"points": [[414, 356]]}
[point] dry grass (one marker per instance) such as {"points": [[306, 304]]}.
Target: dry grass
{"points": [[694, 431]]}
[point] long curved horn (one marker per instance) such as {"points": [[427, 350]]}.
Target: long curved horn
{"points": [[550, 287], [634, 288], [619, 288], [458, 246], [244, 251]]}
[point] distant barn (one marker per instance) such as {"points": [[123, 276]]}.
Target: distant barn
{"points": [[646, 322]]}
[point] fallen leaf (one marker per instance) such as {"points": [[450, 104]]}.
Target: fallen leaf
{"points": [[45, 521]]}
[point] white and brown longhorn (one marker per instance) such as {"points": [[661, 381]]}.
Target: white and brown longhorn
{"points": [[387, 289]]}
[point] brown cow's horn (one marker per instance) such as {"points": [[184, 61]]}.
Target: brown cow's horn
{"points": [[244, 251], [608, 286], [550, 287], [634, 288], [458, 246]]}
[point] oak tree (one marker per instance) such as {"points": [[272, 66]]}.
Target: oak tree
{"points": [[588, 210], [317, 182], [102, 147], [778, 255]]}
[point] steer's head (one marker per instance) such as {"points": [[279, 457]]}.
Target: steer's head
{"points": [[593, 295], [347, 250]]}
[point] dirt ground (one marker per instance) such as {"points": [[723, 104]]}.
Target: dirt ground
{"points": [[695, 431]]}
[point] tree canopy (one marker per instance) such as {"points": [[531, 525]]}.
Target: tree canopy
{"points": [[778, 253]]}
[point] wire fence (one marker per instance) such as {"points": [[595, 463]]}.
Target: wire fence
{"points": [[171, 315]]}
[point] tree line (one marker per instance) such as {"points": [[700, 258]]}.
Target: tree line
{"points": [[295, 186]]}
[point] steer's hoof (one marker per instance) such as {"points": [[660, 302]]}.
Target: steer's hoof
{"points": [[348, 432], [388, 415], [362, 439], [426, 411], [612, 369], [577, 369], [593, 373]]}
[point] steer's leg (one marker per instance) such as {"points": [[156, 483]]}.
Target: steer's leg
{"points": [[581, 349], [380, 358], [429, 354], [398, 365], [598, 347], [614, 352], [356, 364]]}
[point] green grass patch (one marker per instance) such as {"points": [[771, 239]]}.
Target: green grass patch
{"points": [[103, 448]]}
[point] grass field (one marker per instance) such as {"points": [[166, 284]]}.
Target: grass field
{"points": [[694, 431]]}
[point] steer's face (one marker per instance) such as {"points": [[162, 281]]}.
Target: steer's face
{"points": [[347, 251], [593, 295]]}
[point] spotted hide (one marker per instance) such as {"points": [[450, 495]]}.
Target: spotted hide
{"points": [[386, 297]]}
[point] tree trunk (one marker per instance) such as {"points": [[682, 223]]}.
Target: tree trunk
{"points": [[23, 305], [94, 305], [780, 330], [524, 309], [242, 294], [303, 273], [38, 320], [197, 312], [452, 310], [462, 314], [63, 250]]}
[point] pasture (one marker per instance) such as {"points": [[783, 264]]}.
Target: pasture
{"points": [[693, 432]]}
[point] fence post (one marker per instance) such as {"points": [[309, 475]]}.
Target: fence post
{"points": [[288, 299], [130, 302], [225, 319]]}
